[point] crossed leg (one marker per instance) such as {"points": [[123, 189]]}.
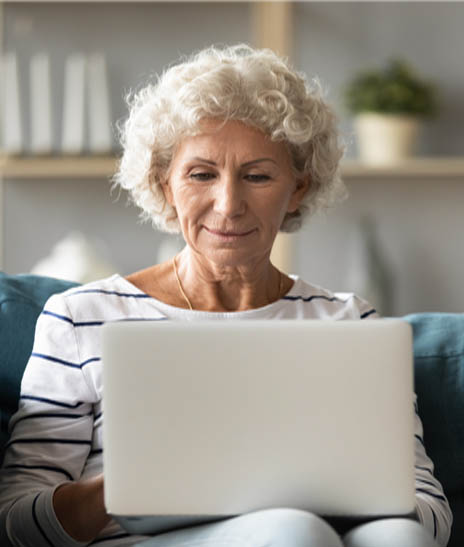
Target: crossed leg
{"points": [[267, 528], [389, 533], [283, 527]]}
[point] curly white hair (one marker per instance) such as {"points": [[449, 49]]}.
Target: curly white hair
{"points": [[238, 82]]}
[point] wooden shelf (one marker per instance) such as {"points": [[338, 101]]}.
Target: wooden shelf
{"points": [[97, 167], [57, 167], [438, 167]]}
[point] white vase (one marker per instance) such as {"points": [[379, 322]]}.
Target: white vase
{"points": [[386, 139]]}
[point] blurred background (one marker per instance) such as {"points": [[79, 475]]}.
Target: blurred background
{"points": [[67, 66]]}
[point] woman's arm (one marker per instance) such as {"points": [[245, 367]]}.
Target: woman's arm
{"points": [[51, 438], [432, 506]]}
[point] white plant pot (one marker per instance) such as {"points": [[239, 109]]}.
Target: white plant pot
{"points": [[386, 139]]}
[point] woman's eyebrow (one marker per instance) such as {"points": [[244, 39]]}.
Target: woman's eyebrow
{"points": [[204, 160], [211, 162], [258, 161]]}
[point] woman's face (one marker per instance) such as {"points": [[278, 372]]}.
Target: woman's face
{"points": [[231, 188]]}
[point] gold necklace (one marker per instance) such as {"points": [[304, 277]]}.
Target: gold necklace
{"points": [[281, 284], [179, 284]]}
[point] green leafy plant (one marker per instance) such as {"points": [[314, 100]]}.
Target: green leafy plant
{"points": [[394, 90]]}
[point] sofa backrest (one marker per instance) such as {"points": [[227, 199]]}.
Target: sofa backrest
{"points": [[22, 298], [439, 383]]}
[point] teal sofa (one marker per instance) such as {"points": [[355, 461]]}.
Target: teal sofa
{"points": [[439, 376]]}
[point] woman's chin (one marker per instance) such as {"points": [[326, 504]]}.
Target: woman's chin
{"points": [[228, 256]]}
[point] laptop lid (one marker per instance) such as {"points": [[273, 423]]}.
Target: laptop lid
{"points": [[226, 417]]}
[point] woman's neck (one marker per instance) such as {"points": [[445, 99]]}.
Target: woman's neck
{"points": [[206, 286]]}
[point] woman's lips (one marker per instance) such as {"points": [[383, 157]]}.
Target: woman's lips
{"points": [[229, 234]]}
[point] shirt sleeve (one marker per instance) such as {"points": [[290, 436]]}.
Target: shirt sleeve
{"points": [[365, 310], [432, 506], [51, 434]]}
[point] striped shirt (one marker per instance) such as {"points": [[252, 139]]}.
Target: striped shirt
{"points": [[56, 434]]}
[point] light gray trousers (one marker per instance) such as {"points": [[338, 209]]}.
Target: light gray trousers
{"points": [[293, 528]]}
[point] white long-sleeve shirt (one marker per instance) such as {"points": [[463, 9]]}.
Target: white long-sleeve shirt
{"points": [[56, 434]]}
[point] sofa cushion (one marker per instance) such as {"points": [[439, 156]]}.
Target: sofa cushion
{"points": [[22, 298]]}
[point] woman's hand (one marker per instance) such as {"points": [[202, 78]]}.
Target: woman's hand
{"points": [[80, 508]]}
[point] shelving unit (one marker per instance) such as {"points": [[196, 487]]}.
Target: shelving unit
{"points": [[95, 167]]}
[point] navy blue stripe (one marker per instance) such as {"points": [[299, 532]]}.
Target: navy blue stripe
{"points": [[313, 297], [99, 415], [96, 323], [114, 293], [426, 482], [424, 469], [51, 401], [434, 523], [65, 363], [420, 439], [367, 313], [109, 538], [96, 451], [36, 520], [58, 316], [45, 467], [48, 441], [438, 496], [74, 323], [140, 319], [67, 416]]}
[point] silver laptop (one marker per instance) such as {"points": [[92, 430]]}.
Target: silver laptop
{"points": [[208, 420]]}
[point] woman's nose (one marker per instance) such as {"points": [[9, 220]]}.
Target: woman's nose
{"points": [[229, 197]]}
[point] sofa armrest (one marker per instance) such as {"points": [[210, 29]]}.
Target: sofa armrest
{"points": [[22, 298]]}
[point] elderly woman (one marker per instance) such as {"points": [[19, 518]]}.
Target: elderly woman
{"points": [[228, 148]]}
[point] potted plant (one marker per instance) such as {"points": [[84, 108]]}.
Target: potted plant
{"points": [[389, 106]]}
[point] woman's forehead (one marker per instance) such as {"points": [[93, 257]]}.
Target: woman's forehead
{"points": [[218, 140]]}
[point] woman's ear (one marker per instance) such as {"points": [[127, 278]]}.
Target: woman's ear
{"points": [[167, 190], [302, 186]]}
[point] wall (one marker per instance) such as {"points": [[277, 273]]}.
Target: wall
{"points": [[419, 222], [138, 39], [419, 227], [335, 39]]}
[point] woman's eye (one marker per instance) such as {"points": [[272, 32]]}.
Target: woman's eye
{"points": [[257, 178], [202, 176]]}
